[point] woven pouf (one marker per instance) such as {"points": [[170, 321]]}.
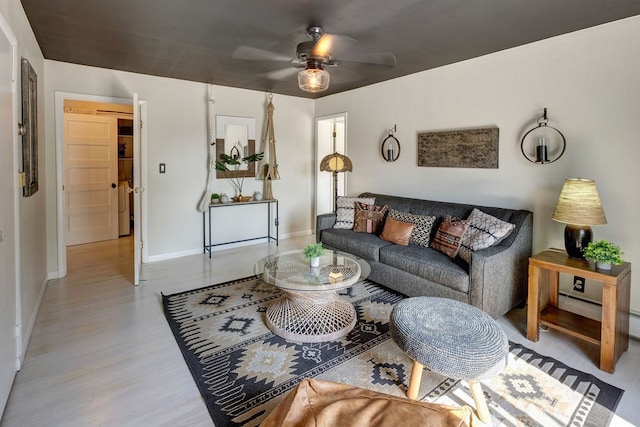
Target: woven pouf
{"points": [[452, 338]]}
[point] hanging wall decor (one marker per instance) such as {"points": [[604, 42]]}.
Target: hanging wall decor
{"points": [[390, 147], [543, 144], [28, 129], [269, 171], [468, 148]]}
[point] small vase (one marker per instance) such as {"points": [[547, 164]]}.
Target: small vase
{"points": [[224, 198], [257, 195], [603, 265], [315, 262]]}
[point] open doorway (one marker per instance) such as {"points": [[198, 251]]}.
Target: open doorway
{"points": [[98, 166], [115, 154]]}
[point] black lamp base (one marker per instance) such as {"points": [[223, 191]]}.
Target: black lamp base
{"points": [[576, 240]]}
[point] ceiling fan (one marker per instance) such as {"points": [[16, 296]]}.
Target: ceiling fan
{"points": [[314, 56]]}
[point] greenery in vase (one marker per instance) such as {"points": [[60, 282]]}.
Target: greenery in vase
{"points": [[604, 252], [230, 164], [215, 196], [313, 250]]}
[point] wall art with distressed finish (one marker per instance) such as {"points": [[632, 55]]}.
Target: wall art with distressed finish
{"points": [[467, 148]]}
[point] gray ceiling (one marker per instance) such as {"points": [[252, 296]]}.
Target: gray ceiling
{"points": [[194, 39]]}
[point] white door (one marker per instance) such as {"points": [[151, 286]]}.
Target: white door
{"points": [[325, 144], [138, 187], [8, 300], [91, 176]]}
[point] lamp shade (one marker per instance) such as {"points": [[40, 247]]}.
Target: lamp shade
{"points": [[313, 79], [336, 162], [579, 203]]}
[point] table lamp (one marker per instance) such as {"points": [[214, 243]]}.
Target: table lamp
{"points": [[579, 207]]}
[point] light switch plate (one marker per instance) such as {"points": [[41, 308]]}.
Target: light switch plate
{"points": [[163, 168]]}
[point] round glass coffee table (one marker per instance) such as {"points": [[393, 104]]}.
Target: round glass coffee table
{"points": [[310, 309]]}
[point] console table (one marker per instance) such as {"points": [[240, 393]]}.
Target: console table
{"points": [[611, 334], [207, 245]]}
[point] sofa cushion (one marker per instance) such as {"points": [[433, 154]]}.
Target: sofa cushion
{"points": [[428, 264], [345, 210], [421, 234], [397, 232], [449, 236], [484, 231], [364, 245], [369, 218]]}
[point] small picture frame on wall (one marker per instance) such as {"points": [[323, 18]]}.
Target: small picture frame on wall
{"points": [[29, 128]]}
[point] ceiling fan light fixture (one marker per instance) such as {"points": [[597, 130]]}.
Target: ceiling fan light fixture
{"points": [[313, 78]]}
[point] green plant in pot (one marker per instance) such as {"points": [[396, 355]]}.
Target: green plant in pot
{"points": [[604, 253], [312, 253], [215, 198], [232, 164]]}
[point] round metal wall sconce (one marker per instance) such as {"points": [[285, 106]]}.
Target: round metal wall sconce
{"points": [[390, 147], [543, 144]]}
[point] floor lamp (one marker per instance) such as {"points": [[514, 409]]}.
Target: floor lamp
{"points": [[335, 163]]}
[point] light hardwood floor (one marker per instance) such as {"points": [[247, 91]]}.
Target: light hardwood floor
{"points": [[102, 354]]}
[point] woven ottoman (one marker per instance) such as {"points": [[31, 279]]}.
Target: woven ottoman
{"points": [[451, 338]]}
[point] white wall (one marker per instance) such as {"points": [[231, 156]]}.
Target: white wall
{"points": [[177, 136], [589, 82], [32, 233]]}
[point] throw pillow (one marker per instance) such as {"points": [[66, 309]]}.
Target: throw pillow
{"points": [[345, 210], [422, 231], [397, 232], [369, 218], [449, 236], [484, 231]]}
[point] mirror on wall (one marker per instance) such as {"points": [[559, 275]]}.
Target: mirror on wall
{"points": [[235, 137]]}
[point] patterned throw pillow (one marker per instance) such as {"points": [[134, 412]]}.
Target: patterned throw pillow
{"points": [[345, 210], [449, 236], [397, 232], [422, 231], [484, 231], [369, 218]]}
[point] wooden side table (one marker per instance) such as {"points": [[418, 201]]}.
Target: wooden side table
{"points": [[611, 334]]}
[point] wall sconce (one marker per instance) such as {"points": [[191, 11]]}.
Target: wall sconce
{"points": [[390, 147], [543, 144]]}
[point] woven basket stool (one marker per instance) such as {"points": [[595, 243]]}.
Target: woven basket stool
{"points": [[452, 338]]}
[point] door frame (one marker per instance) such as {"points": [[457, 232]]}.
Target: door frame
{"points": [[60, 97]]}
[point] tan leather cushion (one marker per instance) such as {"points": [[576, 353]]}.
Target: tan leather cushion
{"points": [[397, 232], [317, 403]]}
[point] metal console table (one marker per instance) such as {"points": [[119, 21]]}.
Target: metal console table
{"points": [[207, 245]]}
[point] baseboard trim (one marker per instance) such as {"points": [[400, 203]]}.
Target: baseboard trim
{"points": [[26, 333], [198, 251]]}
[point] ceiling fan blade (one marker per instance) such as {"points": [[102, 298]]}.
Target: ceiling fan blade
{"points": [[332, 45], [281, 74], [386, 59], [256, 54]]}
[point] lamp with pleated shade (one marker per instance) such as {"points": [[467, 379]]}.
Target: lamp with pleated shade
{"points": [[579, 207]]}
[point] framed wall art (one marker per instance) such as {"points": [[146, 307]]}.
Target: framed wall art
{"points": [[465, 148], [29, 128]]}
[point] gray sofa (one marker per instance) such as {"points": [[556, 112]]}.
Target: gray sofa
{"points": [[495, 280]]}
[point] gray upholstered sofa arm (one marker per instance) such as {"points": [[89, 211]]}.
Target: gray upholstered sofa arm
{"points": [[323, 222], [498, 275]]}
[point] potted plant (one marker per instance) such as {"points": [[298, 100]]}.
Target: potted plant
{"points": [[231, 164], [215, 198], [312, 253], [604, 253]]}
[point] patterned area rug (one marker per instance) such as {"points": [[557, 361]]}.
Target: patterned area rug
{"points": [[243, 370]]}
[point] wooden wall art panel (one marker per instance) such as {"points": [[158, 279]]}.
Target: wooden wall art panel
{"points": [[468, 148]]}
